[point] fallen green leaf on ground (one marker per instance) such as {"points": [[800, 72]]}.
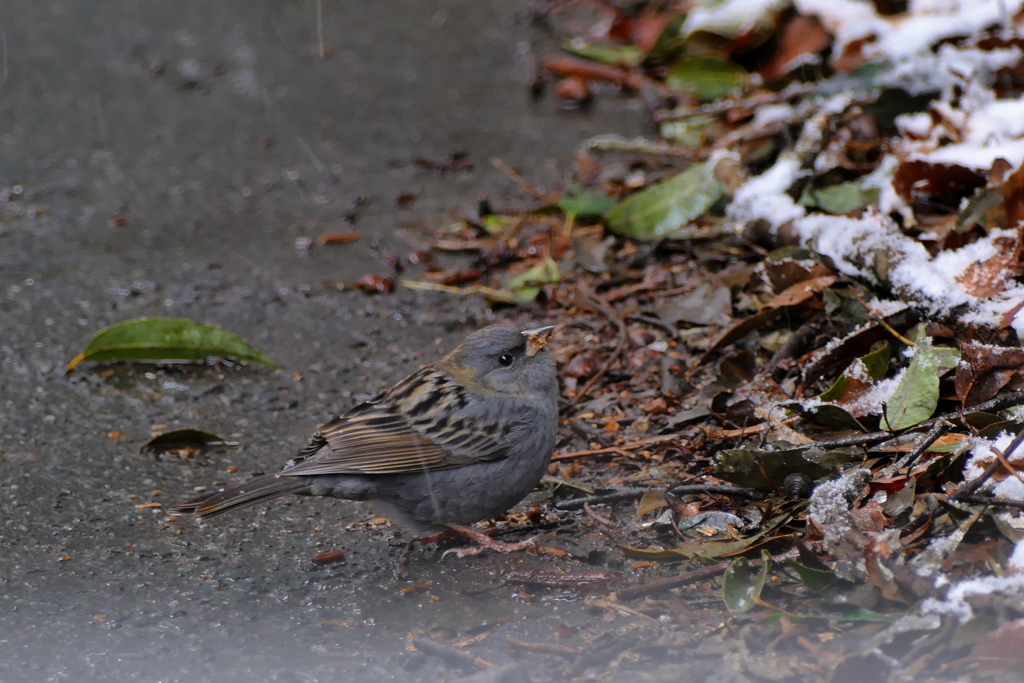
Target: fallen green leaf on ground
{"points": [[527, 285], [666, 206], [707, 78], [168, 340], [917, 394], [742, 583], [582, 203]]}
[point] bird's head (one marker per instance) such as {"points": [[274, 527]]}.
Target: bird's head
{"points": [[503, 359]]}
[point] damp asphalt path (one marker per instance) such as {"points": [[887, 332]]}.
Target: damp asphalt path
{"points": [[166, 159]]}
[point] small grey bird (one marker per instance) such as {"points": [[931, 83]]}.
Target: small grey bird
{"points": [[457, 442]]}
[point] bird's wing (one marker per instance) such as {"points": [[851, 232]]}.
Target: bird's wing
{"points": [[389, 436]]}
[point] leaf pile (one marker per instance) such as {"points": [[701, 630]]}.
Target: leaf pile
{"points": [[792, 323]]}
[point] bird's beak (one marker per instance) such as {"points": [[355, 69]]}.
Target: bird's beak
{"points": [[536, 339]]}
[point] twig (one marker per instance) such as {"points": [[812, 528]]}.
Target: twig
{"points": [[543, 577], [634, 494], [669, 582], [722, 106], [617, 449], [450, 654], [997, 403], [546, 647], [973, 485], [880, 319], [995, 502], [607, 521], [872, 438], [715, 489], [739, 432], [794, 346], [616, 143], [589, 70], [940, 428], [620, 293], [489, 292], [522, 183], [1006, 463], [617, 496], [592, 298], [654, 322]]}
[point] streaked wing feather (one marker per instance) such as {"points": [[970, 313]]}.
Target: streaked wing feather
{"points": [[369, 440], [374, 438]]}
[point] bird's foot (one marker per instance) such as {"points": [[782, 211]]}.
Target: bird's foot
{"points": [[483, 542]]}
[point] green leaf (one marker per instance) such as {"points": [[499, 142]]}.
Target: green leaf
{"points": [[168, 340], [495, 224], [836, 390], [857, 615], [617, 55], [582, 203], [840, 198], [827, 415], [812, 577], [671, 41], [689, 132], [666, 206], [766, 469], [877, 362], [917, 394], [844, 309], [742, 584], [527, 285], [713, 549], [707, 78]]}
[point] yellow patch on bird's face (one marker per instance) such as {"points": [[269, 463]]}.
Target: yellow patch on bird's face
{"points": [[462, 374]]}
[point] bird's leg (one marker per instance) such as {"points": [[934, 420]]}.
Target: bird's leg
{"points": [[484, 542]]}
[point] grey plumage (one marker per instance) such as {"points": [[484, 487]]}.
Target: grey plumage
{"points": [[459, 441]]}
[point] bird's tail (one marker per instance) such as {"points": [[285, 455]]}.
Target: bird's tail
{"points": [[250, 493]]}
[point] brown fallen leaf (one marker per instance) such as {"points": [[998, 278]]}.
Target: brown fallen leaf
{"points": [[339, 238], [328, 558]]}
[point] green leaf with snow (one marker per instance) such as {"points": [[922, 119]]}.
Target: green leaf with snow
{"points": [[666, 206], [917, 394]]}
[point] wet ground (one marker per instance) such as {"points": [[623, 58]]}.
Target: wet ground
{"points": [[163, 159]]}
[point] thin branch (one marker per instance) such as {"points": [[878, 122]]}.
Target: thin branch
{"points": [[940, 428], [973, 485], [670, 582], [591, 298], [632, 446]]}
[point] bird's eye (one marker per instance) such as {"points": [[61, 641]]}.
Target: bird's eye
{"points": [[506, 359]]}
